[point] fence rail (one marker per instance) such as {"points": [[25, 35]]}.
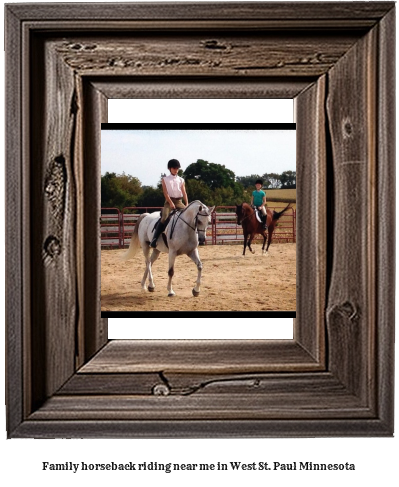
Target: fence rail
{"points": [[117, 226]]}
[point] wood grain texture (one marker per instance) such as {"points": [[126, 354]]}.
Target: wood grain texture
{"points": [[53, 202], [319, 384], [200, 356], [249, 428], [132, 87], [312, 218], [351, 307], [269, 396], [185, 384], [239, 55], [208, 407], [15, 258], [95, 329], [115, 383], [385, 243], [360, 13]]}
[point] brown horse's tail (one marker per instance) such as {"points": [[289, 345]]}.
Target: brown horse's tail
{"points": [[279, 214]]}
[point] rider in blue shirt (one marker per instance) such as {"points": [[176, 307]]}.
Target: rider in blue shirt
{"points": [[258, 200]]}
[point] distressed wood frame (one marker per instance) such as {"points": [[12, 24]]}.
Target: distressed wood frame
{"points": [[64, 378]]}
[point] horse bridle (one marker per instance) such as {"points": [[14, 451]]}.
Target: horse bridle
{"points": [[179, 217], [245, 217]]}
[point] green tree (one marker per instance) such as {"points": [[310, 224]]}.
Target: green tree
{"points": [[119, 190], [213, 175], [271, 180], [198, 190], [247, 181], [129, 184], [151, 197], [247, 194], [229, 196], [288, 179]]}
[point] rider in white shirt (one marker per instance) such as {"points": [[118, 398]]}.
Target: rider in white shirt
{"points": [[174, 191]]}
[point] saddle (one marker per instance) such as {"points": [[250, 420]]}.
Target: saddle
{"points": [[165, 240], [259, 215]]}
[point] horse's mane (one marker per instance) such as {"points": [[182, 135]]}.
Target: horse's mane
{"points": [[246, 206], [198, 202], [190, 205]]}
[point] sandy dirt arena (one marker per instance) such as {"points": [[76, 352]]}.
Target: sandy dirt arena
{"points": [[230, 282]]}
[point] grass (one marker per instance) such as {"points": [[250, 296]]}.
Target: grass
{"points": [[281, 196]]}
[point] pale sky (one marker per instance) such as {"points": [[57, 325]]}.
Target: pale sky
{"points": [[145, 153]]}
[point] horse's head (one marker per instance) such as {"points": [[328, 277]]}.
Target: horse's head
{"points": [[240, 214], [203, 219]]}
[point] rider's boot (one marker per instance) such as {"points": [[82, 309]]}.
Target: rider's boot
{"points": [[160, 227], [264, 219]]}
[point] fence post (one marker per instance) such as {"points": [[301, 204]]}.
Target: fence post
{"points": [[120, 230], [114, 230], [213, 218]]}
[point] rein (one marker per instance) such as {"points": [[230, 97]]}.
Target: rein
{"points": [[248, 216], [179, 217]]}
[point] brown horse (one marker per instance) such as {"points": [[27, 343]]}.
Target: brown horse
{"points": [[250, 225]]}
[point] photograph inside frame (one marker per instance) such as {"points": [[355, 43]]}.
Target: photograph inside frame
{"points": [[198, 218]]}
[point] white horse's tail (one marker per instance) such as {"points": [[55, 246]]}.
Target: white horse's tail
{"points": [[134, 241]]}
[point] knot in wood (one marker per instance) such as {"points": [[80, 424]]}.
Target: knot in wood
{"points": [[52, 247], [347, 128], [90, 47], [54, 188], [348, 309], [117, 63], [50, 189], [213, 44], [161, 390]]}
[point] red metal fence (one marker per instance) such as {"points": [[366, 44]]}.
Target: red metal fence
{"points": [[117, 226], [111, 226]]}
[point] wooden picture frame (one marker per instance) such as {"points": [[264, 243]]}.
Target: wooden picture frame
{"points": [[335, 378]]}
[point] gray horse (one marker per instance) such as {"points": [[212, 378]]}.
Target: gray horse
{"points": [[184, 232]]}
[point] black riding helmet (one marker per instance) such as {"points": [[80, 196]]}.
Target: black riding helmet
{"points": [[174, 163], [259, 181]]}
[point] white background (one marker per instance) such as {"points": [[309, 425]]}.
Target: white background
{"points": [[201, 328], [376, 459]]}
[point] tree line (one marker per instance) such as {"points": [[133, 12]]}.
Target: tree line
{"points": [[211, 183]]}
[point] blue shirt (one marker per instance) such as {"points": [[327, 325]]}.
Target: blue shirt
{"points": [[258, 197]]}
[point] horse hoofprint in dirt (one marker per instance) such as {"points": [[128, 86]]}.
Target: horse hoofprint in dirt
{"points": [[185, 231]]}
